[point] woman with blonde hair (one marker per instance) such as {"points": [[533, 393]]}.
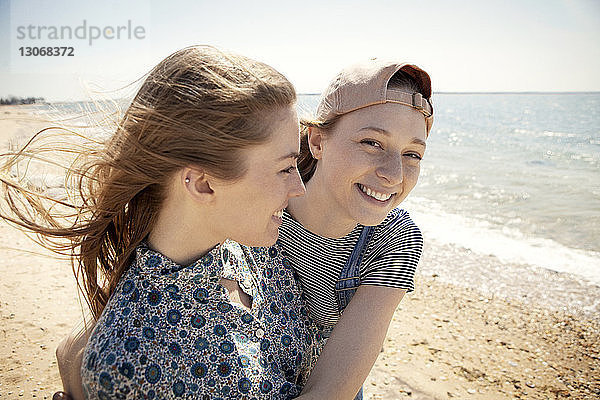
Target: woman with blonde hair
{"points": [[205, 152]]}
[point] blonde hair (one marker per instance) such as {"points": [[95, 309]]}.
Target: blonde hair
{"points": [[200, 106]]}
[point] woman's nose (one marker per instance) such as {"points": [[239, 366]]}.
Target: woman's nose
{"points": [[297, 188], [391, 170]]}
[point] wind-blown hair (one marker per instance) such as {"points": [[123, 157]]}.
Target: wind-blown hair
{"points": [[198, 107]]}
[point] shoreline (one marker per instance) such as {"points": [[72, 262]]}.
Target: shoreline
{"points": [[530, 284]]}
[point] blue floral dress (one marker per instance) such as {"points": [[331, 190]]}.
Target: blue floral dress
{"points": [[170, 331]]}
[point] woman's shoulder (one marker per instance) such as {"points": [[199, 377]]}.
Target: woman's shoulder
{"points": [[398, 229], [394, 252], [398, 218]]}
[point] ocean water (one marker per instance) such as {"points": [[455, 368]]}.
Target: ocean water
{"points": [[516, 176]]}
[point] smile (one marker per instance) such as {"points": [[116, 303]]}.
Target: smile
{"points": [[374, 194]]}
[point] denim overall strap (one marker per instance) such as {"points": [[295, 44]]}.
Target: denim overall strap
{"points": [[349, 278], [346, 285]]}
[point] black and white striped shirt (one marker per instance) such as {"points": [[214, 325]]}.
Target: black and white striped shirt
{"points": [[390, 259]]}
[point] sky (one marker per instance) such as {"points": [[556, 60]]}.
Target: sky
{"points": [[465, 45]]}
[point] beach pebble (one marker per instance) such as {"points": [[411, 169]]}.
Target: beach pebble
{"points": [[471, 391], [530, 384]]}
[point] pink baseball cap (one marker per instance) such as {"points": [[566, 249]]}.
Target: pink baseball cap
{"points": [[366, 84]]}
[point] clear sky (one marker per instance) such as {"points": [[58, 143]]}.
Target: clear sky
{"points": [[465, 45]]}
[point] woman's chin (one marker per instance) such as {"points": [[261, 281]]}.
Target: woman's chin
{"points": [[370, 219], [264, 239]]}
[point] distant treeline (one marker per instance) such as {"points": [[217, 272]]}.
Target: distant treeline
{"points": [[12, 100]]}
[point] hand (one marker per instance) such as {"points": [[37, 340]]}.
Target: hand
{"points": [[61, 396], [69, 356]]}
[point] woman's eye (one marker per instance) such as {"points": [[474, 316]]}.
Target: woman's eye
{"points": [[289, 170], [416, 156], [372, 143]]}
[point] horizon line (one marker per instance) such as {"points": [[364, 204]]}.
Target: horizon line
{"points": [[498, 92], [318, 94]]}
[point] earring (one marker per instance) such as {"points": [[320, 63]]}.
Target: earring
{"points": [[187, 180]]}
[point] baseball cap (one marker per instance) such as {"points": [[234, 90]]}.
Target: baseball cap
{"points": [[366, 84]]}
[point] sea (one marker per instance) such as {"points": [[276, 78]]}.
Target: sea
{"points": [[509, 193]]}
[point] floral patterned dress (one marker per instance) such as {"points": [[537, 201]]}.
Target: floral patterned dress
{"points": [[170, 331]]}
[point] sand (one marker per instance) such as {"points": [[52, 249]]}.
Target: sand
{"points": [[445, 342], [451, 342]]}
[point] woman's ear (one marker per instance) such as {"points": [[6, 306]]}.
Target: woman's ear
{"points": [[315, 142], [197, 184]]}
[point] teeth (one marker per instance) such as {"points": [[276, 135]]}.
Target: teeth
{"points": [[374, 194], [279, 214]]}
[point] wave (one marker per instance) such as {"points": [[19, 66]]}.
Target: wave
{"points": [[509, 245]]}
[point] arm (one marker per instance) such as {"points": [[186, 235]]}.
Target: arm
{"points": [[354, 344], [69, 355]]}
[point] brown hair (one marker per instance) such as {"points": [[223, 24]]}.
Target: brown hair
{"points": [[307, 164], [199, 106]]}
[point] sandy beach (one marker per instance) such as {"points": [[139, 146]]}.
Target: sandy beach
{"points": [[446, 341]]}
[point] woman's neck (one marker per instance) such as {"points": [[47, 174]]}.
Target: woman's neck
{"points": [[179, 236], [318, 211]]}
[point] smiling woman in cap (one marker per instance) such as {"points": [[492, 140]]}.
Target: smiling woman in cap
{"points": [[355, 251]]}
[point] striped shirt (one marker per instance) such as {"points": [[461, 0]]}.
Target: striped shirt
{"points": [[390, 259]]}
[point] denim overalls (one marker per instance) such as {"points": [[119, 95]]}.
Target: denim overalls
{"points": [[349, 280]]}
